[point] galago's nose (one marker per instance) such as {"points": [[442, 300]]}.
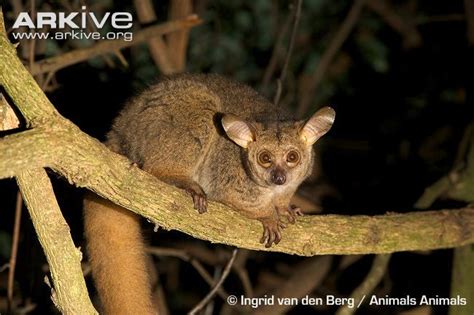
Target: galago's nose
{"points": [[278, 176]]}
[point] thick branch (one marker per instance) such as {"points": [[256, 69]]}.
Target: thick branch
{"points": [[87, 163], [64, 259], [26, 150], [17, 81]]}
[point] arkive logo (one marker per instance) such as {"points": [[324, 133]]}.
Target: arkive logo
{"points": [[73, 25], [74, 20]]}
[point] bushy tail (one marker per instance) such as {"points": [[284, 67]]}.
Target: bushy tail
{"points": [[117, 256]]}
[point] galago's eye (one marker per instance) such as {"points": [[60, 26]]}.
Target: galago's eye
{"points": [[265, 159], [292, 157]]}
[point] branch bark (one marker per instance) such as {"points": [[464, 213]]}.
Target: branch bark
{"points": [[70, 292]]}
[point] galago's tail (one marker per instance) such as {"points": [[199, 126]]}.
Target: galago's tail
{"points": [[117, 256]]}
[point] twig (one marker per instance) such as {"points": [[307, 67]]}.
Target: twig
{"points": [[277, 47], [296, 20], [79, 55], [433, 192], [161, 300], [348, 260], [412, 38], [183, 255], [47, 79], [373, 278], [201, 252], [91, 27], [307, 276], [336, 43], [210, 306], [440, 18], [239, 268], [464, 146], [14, 251], [219, 283], [445, 184], [158, 48]]}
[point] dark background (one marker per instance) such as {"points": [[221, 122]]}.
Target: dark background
{"points": [[401, 112]]}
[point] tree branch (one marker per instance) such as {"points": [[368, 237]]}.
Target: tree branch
{"points": [[307, 276], [183, 255], [14, 252], [69, 58], [329, 54], [17, 81], [411, 36], [219, 283], [461, 280], [70, 292], [156, 45], [178, 41], [296, 19], [373, 278], [86, 162]]}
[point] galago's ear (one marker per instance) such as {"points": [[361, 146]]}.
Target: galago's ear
{"points": [[238, 130], [317, 125]]}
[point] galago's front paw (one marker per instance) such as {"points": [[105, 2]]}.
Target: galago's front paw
{"points": [[294, 213], [291, 213], [271, 231], [199, 200]]}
